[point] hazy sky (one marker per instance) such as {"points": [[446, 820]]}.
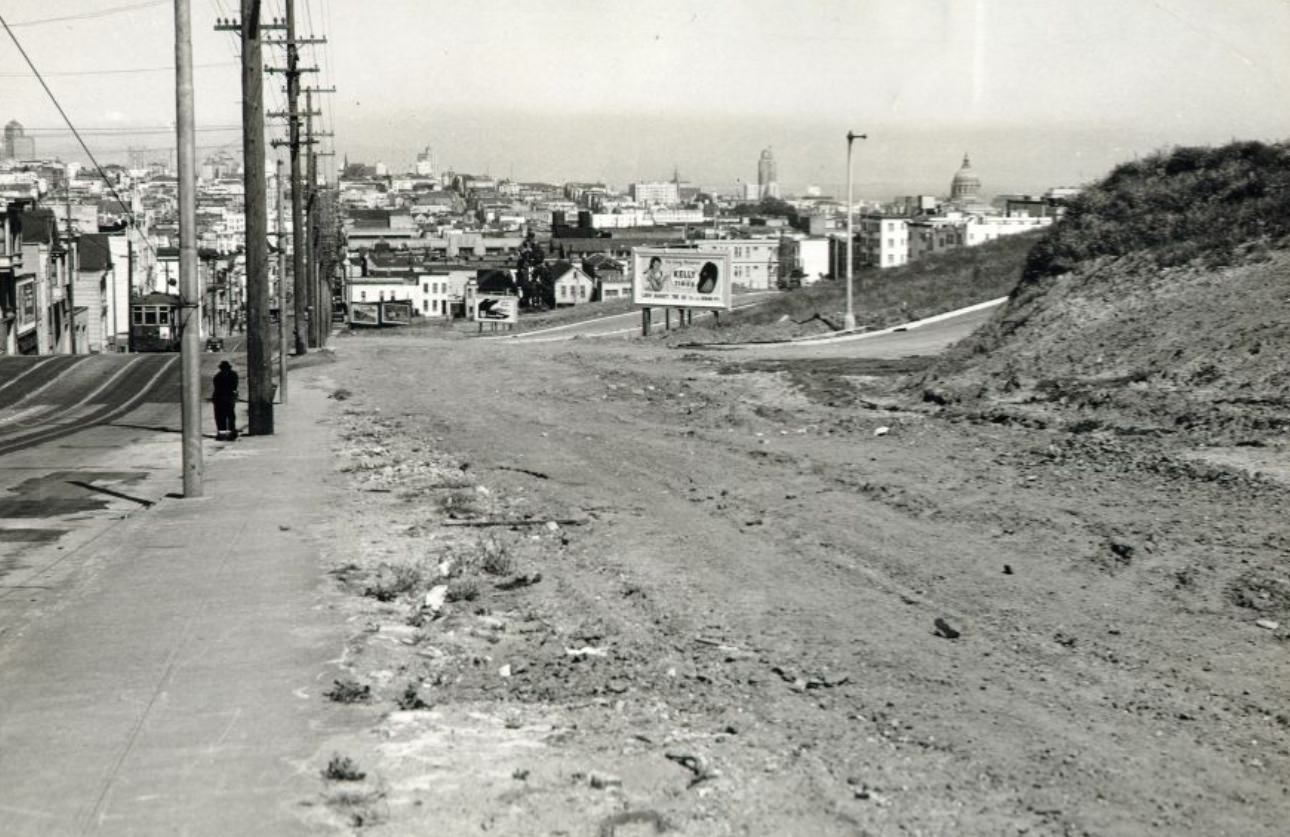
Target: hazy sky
{"points": [[1040, 92]]}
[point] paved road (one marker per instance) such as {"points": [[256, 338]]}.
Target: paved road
{"points": [[615, 325], [927, 337]]}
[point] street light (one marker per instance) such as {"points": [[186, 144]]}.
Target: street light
{"points": [[850, 322]]}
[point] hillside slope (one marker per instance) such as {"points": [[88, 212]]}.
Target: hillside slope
{"points": [[1160, 303]]}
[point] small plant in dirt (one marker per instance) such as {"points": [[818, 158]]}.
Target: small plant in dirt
{"points": [[459, 504], [393, 581], [342, 769], [462, 590], [410, 699], [497, 559], [359, 807], [348, 691]]}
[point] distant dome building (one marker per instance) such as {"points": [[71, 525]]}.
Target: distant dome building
{"points": [[966, 186]]}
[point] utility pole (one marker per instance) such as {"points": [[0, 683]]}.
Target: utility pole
{"points": [[129, 287], [311, 225], [189, 292], [298, 240], [70, 263], [306, 304], [259, 354], [319, 303], [282, 290], [850, 320]]}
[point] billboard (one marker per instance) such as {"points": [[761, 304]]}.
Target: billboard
{"points": [[680, 278], [396, 313], [364, 314], [495, 308]]}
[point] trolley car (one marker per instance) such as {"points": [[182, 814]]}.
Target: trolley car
{"points": [[154, 323]]}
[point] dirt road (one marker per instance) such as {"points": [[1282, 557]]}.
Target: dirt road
{"points": [[713, 598]]}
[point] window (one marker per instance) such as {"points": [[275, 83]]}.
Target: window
{"points": [[425, 305], [425, 287], [582, 291], [362, 295]]}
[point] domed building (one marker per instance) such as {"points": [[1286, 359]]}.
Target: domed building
{"points": [[965, 191], [965, 186]]}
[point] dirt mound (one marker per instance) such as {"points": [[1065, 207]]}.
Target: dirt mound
{"points": [[1157, 305]]}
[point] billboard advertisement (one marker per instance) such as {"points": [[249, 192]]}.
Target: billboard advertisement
{"points": [[364, 314], [495, 308], [680, 278], [396, 313]]}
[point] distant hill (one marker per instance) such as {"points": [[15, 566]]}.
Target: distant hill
{"points": [[1160, 302]]}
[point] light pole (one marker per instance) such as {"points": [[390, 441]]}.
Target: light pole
{"points": [[850, 321]]}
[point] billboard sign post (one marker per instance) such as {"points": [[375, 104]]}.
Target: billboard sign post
{"points": [[494, 308], [681, 279]]}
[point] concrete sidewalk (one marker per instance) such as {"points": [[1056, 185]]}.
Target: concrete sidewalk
{"points": [[175, 685]]}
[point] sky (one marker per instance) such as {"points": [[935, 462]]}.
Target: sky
{"points": [[1040, 93]]}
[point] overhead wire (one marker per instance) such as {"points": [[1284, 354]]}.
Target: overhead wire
{"points": [[134, 222], [122, 71], [88, 15]]}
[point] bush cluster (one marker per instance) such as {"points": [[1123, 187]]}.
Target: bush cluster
{"points": [[1177, 206]]}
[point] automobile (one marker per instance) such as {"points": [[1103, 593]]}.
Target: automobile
{"points": [[215, 344]]}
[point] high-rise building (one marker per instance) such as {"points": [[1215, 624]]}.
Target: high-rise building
{"points": [[767, 175], [17, 145], [426, 163]]}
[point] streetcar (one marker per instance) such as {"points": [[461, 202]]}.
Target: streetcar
{"points": [[154, 323]]}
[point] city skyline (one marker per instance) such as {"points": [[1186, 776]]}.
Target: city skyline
{"points": [[1039, 93]]}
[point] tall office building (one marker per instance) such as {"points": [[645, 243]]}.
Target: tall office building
{"points": [[17, 145], [767, 175]]}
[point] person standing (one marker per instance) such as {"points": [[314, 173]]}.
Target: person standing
{"points": [[225, 400]]}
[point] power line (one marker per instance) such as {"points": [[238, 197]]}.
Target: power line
{"points": [[127, 131], [129, 212], [88, 15], [169, 69]]}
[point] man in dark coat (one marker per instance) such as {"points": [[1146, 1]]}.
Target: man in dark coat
{"points": [[225, 399]]}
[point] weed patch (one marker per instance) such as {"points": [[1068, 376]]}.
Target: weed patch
{"points": [[462, 590], [393, 581], [342, 769], [348, 691], [497, 558], [410, 699]]}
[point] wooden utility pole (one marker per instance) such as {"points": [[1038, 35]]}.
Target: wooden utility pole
{"points": [[259, 352], [308, 243], [189, 291], [298, 240], [282, 289]]}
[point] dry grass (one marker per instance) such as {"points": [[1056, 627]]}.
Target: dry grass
{"points": [[392, 581], [342, 769]]}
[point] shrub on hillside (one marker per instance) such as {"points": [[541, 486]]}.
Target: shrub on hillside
{"points": [[1190, 203]]}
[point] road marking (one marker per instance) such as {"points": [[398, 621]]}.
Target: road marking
{"points": [[16, 415], [32, 436], [28, 371]]}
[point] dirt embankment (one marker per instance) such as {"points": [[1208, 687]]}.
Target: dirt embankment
{"points": [[1129, 345], [618, 591], [1157, 305]]}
